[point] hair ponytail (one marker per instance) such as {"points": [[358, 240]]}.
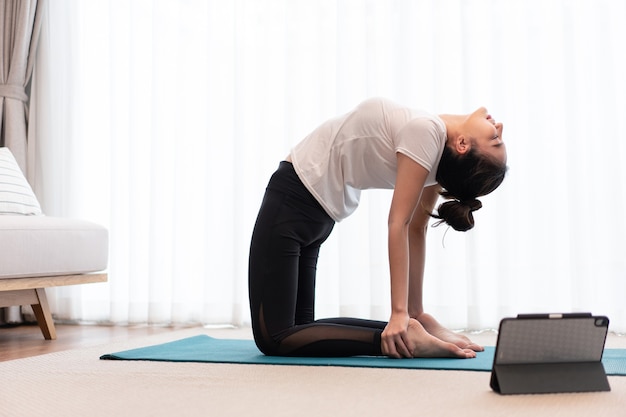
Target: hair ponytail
{"points": [[458, 214], [464, 178]]}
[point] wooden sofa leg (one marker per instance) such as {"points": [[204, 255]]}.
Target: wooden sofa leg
{"points": [[42, 313]]}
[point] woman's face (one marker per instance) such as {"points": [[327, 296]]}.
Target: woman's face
{"points": [[486, 134]]}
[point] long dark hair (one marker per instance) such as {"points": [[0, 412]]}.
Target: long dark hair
{"points": [[464, 178]]}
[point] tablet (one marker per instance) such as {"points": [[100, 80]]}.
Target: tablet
{"points": [[548, 353]]}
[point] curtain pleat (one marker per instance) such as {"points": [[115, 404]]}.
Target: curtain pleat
{"points": [[164, 120]]}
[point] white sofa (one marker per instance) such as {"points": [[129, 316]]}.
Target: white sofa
{"points": [[38, 251]]}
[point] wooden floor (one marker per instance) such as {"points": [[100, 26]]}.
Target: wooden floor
{"points": [[27, 340]]}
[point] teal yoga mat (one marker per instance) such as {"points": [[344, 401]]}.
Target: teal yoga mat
{"points": [[203, 348]]}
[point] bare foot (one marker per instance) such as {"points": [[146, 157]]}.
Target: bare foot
{"points": [[429, 346], [433, 327]]}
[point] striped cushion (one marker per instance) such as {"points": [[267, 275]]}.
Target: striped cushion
{"points": [[16, 196]]}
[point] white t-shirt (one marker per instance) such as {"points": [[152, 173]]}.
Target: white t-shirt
{"points": [[357, 151]]}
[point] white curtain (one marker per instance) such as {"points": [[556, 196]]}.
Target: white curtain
{"points": [[19, 34], [163, 120]]}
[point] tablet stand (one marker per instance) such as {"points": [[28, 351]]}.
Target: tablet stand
{"points": [[549, 378]]}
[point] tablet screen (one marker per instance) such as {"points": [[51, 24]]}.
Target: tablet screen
{"points": [[551, 340]]}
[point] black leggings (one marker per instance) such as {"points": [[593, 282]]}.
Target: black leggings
{"points": [[289, 230]]}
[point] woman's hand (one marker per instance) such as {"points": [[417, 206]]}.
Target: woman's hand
{"points": [[395, 342]]}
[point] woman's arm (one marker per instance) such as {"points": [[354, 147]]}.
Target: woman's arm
{"points": [[417, 248], [417, 254], [410, 180]]}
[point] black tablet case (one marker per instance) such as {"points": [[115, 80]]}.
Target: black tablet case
{"points": [[538, 354]]}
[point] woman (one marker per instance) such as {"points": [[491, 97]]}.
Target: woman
{"points": [[379, 144]]}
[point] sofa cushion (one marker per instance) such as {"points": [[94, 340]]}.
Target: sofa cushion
{"points": [[45, 246], [16, 196]]}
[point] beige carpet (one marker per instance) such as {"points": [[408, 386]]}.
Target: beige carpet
{"points": [[77, 383]]}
